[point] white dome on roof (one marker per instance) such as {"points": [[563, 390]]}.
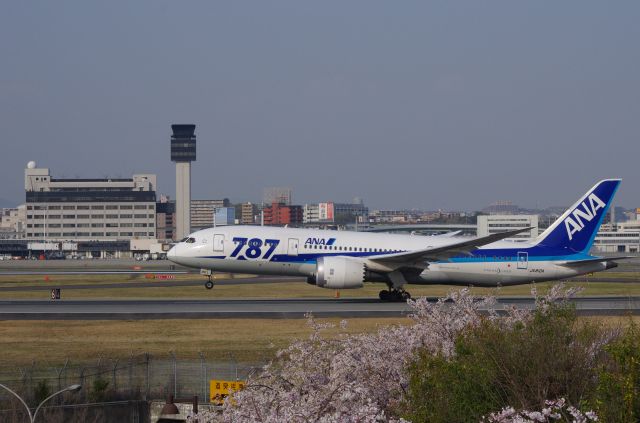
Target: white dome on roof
{"points": [[31, 165]]}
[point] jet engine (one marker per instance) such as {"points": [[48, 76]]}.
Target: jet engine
{"points": [[339, 273]]}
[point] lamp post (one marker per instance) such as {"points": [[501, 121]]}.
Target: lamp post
{"points": [[32, 417]]}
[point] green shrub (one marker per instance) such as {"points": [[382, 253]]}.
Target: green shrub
{"points": [[99, 389], [495, 365], [442, 390], [617, 396], [41, 391]]}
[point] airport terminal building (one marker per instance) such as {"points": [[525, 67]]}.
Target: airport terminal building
{"points": [[106, 209]]}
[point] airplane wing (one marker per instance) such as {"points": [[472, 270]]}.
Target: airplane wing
{"points": [[445, 252], [577, 263]]}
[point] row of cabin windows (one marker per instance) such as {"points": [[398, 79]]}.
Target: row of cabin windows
{"points": [[496, 258], [340, 248], [385, 250]]}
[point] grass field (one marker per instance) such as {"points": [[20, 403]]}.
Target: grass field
{"points": [[248, 340]]}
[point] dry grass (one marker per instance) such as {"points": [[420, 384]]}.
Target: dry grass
{"points": [[249, 340], [612, 321]]}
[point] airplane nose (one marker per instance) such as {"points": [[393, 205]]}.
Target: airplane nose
{"points": [[171, 254]]}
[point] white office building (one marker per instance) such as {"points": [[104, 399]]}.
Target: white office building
{"points": [[59, 209], [203, 211], [310, 213], [13, 222], [330, 212], [491, 224], [619, 238]]}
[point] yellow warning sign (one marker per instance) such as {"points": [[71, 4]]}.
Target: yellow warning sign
{"points": [[220, 389]]}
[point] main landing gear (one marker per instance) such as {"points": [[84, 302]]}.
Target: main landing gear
{"points": [[394, 295]]}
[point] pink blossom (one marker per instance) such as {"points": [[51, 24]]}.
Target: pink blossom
{"points": [[554, 410]]}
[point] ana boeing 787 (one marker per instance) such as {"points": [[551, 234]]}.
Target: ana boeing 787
{"points": [[345, 259]]}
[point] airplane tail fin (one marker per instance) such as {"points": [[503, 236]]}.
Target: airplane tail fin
{"points": [[576, 229]]}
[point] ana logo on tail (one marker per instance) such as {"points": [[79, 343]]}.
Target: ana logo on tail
{"points": [[574, 222]]}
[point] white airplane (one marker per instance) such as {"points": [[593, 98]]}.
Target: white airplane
{"points": [[345, 259]]}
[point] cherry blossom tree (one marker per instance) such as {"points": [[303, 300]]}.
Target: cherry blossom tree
{"points": [[363, 377]]}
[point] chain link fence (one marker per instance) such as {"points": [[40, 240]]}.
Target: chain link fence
{"points": [[105, 412], [115, 383]]}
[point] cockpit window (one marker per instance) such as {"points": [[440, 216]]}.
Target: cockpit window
{"points": [[190, 240], [184, 239]]}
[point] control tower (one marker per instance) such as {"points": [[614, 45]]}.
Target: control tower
{"points": [[183, 152]]}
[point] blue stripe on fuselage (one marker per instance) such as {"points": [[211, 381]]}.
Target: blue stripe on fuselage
{"points": [[477, 256]]}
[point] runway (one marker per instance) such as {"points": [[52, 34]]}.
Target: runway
{"points": [[263, 308]]}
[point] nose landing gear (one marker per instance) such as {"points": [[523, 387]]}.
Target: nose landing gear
{"points": [[209, 283], [207, 272]]}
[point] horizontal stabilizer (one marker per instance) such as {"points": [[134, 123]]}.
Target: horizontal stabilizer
{"points": [[577, 263]]}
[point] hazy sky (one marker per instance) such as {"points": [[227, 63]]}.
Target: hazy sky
{"points": [[438, 104]]}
